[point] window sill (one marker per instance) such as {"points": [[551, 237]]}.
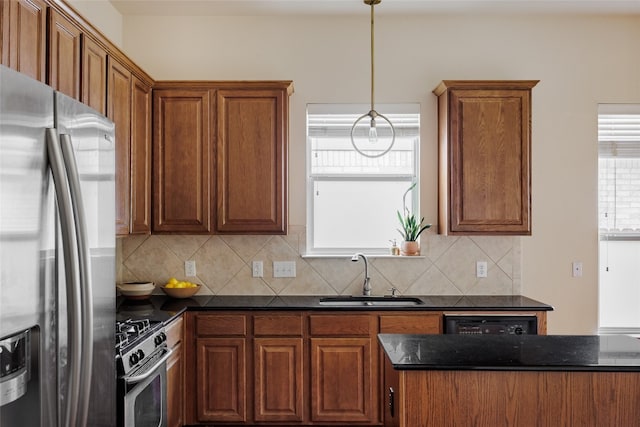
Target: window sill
{"points": [[369, 256]]}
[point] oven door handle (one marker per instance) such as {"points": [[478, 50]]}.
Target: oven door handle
{"points": [[150, 371]]}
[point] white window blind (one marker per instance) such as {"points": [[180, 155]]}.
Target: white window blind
{"points": [[619, 170]]}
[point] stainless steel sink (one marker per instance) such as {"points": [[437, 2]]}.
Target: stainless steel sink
{"points": [[364, 301]]}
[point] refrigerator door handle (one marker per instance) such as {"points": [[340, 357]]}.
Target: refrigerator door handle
{"points": [[71, 268], [86, 286]]}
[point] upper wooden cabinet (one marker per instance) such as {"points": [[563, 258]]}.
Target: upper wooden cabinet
{"points": [[484, 130], [64, 55], [220, 157], [24, 36], [182, 160], [119, 111], [94, 75], [4, 33], [140, 157], [252, 160], [48, 41]]}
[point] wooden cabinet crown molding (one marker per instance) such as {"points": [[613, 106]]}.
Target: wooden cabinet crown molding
{"points": [[484, 132], [225, 84]]}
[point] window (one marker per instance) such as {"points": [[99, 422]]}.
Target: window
{"points": [[619, 217], [352, 200]]}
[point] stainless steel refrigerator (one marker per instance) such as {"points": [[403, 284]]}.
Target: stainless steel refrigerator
{"points": [[57, 259]]}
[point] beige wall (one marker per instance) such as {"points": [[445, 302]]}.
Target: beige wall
{"points": [[580, 61], [103, 16]]}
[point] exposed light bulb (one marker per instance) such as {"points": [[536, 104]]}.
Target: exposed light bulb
{"points": [[373, 132]]}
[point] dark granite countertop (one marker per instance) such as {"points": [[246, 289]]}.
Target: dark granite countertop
{"points": [[511, 352], [164, 308]]}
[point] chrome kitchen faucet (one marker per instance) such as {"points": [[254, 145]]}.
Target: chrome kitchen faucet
{"points": [[366, 287]]}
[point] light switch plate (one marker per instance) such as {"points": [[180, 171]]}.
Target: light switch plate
{"points": [[257, 269], [284, 269], [190, 268], [481, 269]]}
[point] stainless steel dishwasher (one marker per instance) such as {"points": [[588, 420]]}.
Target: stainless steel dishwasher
{"points": [[490, 324]]}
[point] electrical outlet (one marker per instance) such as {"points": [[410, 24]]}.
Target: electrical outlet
{"points": [[284, 269], [481, 269], [190, 268], [257, 269], [576, 269]]}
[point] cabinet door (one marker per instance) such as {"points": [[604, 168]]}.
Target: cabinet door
{"points": [[64, 55], [411, 323], [94, 75], [140, 157], [119, 110], [342, 383], [25, 27], [175, 374], [182, 166], [252, 161], [278, 379], [4, 33], [221, 379], [485, 157], [175, 388]]}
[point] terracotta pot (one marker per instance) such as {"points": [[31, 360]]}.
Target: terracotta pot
{"points": [[409, 248]]}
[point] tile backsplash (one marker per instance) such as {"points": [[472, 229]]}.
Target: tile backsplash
{"points": [[223, 265]]}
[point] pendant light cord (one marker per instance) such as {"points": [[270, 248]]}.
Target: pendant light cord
{"points": [[373, 115], [372, 57]]}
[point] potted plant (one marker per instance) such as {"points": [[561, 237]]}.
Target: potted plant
{"points": [[411, 228]]}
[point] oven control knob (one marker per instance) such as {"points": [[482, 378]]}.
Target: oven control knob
{"points": [[160, 338], [133, 359], [140, 354]]}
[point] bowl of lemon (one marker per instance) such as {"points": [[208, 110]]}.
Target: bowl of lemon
{"points": [[180, 288]]}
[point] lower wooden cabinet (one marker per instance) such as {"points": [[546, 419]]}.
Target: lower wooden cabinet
{"points": [[221, 385], [278, 367], [278, 379], [291, 367], [343, 368], [175, 374], [341, 380]]}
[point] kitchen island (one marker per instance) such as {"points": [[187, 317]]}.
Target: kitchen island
{"points": [[528, 380]]}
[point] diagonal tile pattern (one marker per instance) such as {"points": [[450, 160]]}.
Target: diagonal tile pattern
{"points": [[223, 265]]}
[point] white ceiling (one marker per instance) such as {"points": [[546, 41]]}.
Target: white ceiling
{"points": [[342, 7]]}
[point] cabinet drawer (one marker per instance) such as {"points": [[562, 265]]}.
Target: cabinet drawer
{"points": [[277, 325], [341, 325], [221, 325], [406, 324], [174, 332]]}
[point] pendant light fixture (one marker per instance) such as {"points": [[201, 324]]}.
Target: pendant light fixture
{"points": [[374, 118]]}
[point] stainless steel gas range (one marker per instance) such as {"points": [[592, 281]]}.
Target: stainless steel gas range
{"points": [[141, 356]]}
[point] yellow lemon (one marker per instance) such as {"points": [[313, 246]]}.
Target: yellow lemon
{"points": [[173, 281]]}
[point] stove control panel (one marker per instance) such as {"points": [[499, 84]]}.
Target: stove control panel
{"points": [[138, 341]]}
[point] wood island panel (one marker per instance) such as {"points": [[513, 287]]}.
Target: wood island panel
{"points": [[511, 398]]}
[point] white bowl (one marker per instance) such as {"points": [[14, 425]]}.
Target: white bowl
{"points": [[136, 286], [136, 290]]}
